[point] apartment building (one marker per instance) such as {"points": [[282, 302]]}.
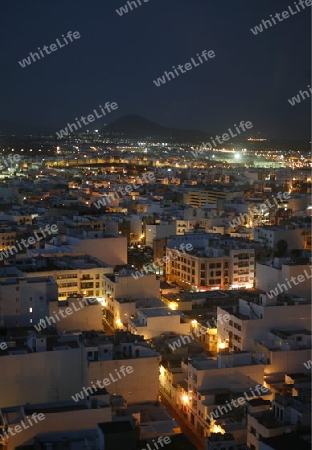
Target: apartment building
{"points": [[24, 301], [158, 231], [123, 294], [215, 262], [202, 389], [297, 236], [110, 248], [106, 354], [286, 414], [282, 275], [197, 198], [74, 274], [56, 419], [35, 367], [254, 317], [7, 237]]}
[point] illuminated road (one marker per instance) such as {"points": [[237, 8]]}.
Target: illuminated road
{"points": [[183, 424]]}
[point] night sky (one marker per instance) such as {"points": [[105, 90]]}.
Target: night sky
{"points": [[117, 58]]}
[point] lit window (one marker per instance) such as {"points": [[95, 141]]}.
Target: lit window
{"points": [[30, 309]]}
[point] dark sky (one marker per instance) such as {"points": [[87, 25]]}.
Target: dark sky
{"points": [[117, 58]]}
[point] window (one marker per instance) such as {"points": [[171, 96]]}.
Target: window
{"points": [[30, 310]]}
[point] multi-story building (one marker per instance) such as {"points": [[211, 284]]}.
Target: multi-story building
{"points": [[25, 301], [286, 414], [215, 262], [74, 274], [205, 384], [123, 293], [110, 248], [284, 276], [297, 236], [39, 363], [253, 319], [158, 231], [7, 237], [53, 422], [107, 354], [200, 197]]}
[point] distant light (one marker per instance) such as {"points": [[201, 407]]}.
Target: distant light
{"points": [[237, 156]]}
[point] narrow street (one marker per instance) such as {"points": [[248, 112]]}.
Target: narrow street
{"points": [[107, 328], [182, 423]]}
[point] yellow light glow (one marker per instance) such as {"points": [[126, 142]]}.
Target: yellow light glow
{"points": [[221, 345], [194, 322], [185, 398], [216, 429], [173, 306], [119, 323]]}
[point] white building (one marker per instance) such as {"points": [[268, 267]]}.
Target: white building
{"points": [[35, 368], [24, 301], [110, 248], [121, 288], [254, 319], [296, 236], [158, 231], [106, 355], [287, 277], [153, 322], [74, 274]]}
